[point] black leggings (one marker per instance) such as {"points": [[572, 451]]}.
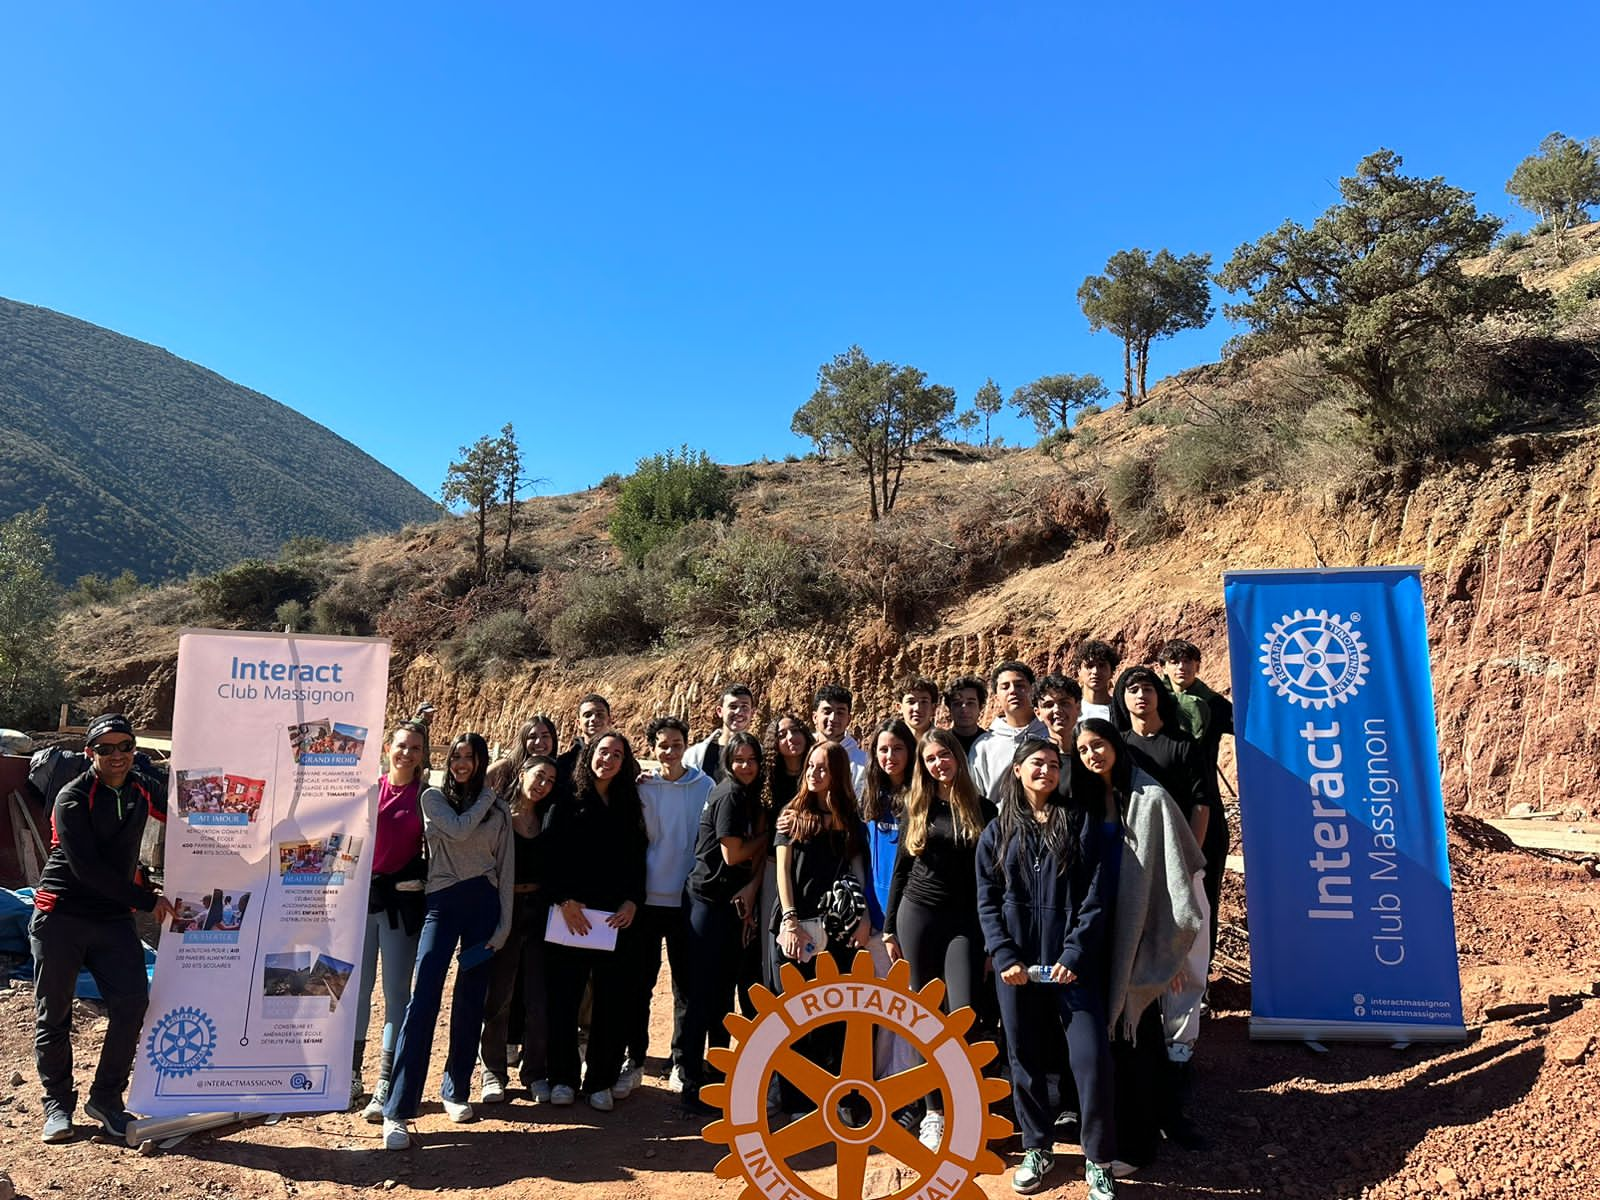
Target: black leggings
{"points": [[940, 944]]}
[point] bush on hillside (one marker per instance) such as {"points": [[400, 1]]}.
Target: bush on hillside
{"points": [[292, 617], [745, 581], [1133, 494], [665, 493], [615, 613], [499, 639], [906, 576], [1210, 459], [95, 588], [1574, 299], [249, 592]]}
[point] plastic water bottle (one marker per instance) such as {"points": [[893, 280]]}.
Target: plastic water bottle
{"points": [[1040, 973]]}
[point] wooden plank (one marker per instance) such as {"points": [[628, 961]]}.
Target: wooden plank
{"points": [[30, 843], [1537, 834]]}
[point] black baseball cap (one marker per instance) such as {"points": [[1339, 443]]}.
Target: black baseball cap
{"points": [[107, 723]]}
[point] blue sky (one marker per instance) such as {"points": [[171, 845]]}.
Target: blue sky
{"points": [[625, 226]]}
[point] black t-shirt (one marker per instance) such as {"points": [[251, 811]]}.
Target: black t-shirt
{"points": [[1178, 763], [815, 865], [732, 810], [966, 739], [944, 875]]}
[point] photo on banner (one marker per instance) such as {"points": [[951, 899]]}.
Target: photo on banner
{"points": [[277, 790]]}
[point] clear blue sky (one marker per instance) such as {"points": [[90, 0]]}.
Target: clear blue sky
{"points": [[628, 226]]}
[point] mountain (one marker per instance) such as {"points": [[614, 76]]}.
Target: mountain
{"points": [[153, 464]]}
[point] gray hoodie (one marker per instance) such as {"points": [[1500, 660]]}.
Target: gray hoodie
{"points": [[992, 753], [671, 822]]}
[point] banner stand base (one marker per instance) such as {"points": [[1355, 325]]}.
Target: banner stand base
{"points": [[1295, 1029], [159, 1129]]}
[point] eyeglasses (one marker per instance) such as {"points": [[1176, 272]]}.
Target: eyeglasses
{"points": [[104, 748]]}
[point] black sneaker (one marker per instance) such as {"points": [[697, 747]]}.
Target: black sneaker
{"points": [[113, 1118], [57, 1122]]}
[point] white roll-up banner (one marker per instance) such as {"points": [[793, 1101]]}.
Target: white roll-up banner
{"points": [[271, 801]]}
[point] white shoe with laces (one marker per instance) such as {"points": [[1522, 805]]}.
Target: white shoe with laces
{"points": [[931, 1134], [395, 1135], [562, 1094], [601, 1101], [458, 1111], [630, 1078]]}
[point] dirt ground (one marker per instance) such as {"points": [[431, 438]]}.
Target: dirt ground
{"points": [[1511, 1112]]}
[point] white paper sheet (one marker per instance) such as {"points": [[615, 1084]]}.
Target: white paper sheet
{"points": [[600, 936]]}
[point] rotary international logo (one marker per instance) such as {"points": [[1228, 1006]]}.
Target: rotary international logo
{"points": [[1315, 659]]}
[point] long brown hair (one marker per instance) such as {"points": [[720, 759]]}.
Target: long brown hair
{"points": [[811, 815], [966, 806], [776, 794], [881, 800]]}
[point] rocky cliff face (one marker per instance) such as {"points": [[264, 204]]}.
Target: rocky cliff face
{"points": [[1509, 544]]}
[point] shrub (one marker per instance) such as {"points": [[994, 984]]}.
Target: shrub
{"points": [[248, 593], [615, 613], [1574, 299], [747, 581], [1210, 459], [500, 638], [1133, 495], [1515, 240], [664, 494], [293, 616], [994, 533], [1055, 440]]}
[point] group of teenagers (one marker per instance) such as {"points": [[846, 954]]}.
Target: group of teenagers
{"points": [[1058, 869]]}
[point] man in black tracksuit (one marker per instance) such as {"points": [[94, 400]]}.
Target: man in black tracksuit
{"points": [[84, 918]]}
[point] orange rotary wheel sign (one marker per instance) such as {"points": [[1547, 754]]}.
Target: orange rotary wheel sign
{"points": [[862, 1003]]}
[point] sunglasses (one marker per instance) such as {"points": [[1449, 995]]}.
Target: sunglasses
{"points": [[112, 748]]}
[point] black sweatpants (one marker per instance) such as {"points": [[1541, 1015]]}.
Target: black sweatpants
{"points": [[1026, 1012], [518, 971], [1143, 1089], [568, 970], [109, 947], [654, 925], [940, 944]]}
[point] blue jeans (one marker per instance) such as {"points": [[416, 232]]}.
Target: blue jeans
{"points": [[463, 914], [399, 951]]}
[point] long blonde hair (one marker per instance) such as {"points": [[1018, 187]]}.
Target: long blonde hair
{"points": [[966, 806]]}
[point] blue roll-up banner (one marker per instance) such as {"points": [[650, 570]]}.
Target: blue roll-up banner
{"points": [[1347, 881]]}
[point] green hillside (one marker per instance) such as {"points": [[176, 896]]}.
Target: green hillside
{"points": [[151, 463]]}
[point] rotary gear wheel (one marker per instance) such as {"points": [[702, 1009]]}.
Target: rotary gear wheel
{"points": [[181, 1042], [861, 1002], [1314, 659]]}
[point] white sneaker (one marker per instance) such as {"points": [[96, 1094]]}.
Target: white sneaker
{"points": [[395, 1135], [1121, 1170], [562, 1094], [601, 1101], [931, 1134], [630, 1078], [539, 1092], [458, 1111], [494, 1090]]}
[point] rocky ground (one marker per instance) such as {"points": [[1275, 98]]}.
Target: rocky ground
{"points": [[1511, 1112]]}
